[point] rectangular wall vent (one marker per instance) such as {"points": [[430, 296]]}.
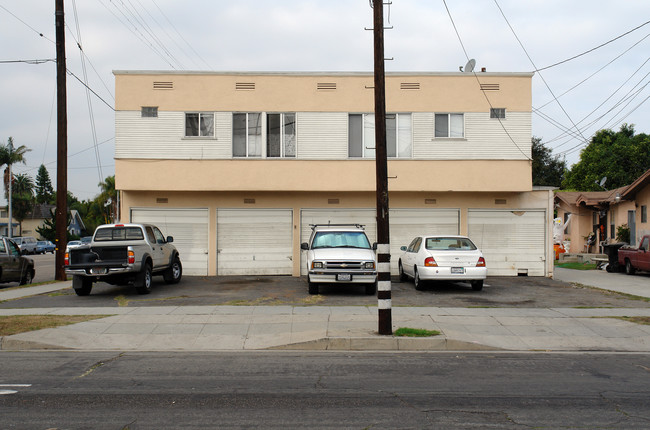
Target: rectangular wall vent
{"points": [[162, 200], [158, 85], [333, 201], [249, 201], [489, 87], [409, 86], [245, 85], [430, 201], [500, 201], [324, 86]]}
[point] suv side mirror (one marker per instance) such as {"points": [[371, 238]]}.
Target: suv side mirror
{"points": [[170, 239], [304, 246], [374, 246], [402, 248]]}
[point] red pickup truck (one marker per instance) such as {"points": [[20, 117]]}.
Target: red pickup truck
{"points": [[634, 259]]}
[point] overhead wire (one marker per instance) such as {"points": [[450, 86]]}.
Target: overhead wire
{"points": [[528, 157]]}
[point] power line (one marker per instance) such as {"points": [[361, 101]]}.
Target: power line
{"points": [[27, 25]]}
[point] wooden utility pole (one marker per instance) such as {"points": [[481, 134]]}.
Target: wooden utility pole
{"points": [[62, 145], [383, 235]]}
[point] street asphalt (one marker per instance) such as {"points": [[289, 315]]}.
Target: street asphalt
{"points": [[340, 327]]}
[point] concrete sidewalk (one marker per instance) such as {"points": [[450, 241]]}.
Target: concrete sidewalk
{"points": [[214, 328]]}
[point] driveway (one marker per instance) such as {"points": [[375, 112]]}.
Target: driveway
{"points": [[522, 292]]}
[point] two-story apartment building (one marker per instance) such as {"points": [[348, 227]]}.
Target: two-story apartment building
{"points": [[236, 166]]}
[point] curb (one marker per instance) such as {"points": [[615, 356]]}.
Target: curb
{"points": [[385, 344]]}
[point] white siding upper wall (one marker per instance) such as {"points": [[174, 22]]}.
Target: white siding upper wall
{"points": [[322, 135], [485, 138], [164, 137]]}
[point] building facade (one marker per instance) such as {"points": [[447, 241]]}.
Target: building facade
{"points": [[236, 166]]}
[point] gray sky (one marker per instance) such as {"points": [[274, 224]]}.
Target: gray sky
{"points": [[306, 35]]}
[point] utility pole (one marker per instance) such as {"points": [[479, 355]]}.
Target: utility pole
{"points": [[62, 145], [383, 236]]}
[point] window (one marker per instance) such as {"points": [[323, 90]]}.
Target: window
{"points": [[449, 125], [361, 135], [644, 213], [281, 135], [199, 124], [247, 134], [149, 112], [498, 113]]}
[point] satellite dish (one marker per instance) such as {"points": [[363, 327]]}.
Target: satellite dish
{"points": [[601, 184], [469, 67]]}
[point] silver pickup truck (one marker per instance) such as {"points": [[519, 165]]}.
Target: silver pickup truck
{"points": [[123, 254]]}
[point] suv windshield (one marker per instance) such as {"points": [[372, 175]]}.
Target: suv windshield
{"points": [[340, 239], [118, 233]]}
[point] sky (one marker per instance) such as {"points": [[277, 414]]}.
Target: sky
{"points": [[604, 86]]}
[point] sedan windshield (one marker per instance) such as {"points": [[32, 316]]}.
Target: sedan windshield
{"points": [[340, 239], [449, 243]]}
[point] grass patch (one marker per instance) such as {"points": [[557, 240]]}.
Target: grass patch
{"points": [[636, 320], [415, 332], [576, 266], [274, 301], [14, 324]]}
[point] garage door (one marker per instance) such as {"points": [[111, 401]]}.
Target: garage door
{"points": [[365, 217], [405, 224], [513, 242], [189, 227], [254, 241]]}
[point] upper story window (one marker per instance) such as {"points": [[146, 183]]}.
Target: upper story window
{"points": [[199, 124], [499, 113], [361, 135], [281, 135], [449, 125], [258, 134], [149, 112]]}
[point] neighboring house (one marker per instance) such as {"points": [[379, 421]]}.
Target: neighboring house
{"points": [[602, 212], [36, 219], [4, 224], [236, 166], [76, 226]]}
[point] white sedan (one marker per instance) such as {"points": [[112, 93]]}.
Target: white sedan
{"points": [[442, 258]]}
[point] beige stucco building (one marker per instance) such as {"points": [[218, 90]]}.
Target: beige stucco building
{"points": [[236, 166]]}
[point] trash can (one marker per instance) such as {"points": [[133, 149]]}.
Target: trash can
{"points": [[611, 249]]}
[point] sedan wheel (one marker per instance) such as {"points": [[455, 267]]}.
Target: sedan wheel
{"points": [[416, 280], [477, 285], [402, 275]]}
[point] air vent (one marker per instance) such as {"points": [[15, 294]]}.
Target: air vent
{"points": [[245, 86], [324, 86], [409, 86], [489, 87], [249, 201], [430, 201], [333, 201], [500, 201], [163, 85], [162, 200]]}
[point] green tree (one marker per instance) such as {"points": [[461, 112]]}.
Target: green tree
{"points": [[548, 170], [620, 156], [23, 198], [10, 156], [44, 190], [48, 230]]}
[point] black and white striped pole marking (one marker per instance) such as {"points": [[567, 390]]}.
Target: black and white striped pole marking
{"points": [[384, 301]]}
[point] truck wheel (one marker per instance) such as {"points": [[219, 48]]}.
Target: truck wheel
{"points": [[27, 277], [629, 269], [143, 283], [173, 274], [371, 288], [313, 288], [82, 285]]}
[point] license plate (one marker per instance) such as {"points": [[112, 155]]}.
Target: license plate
{"points": [[345, 277], [98, 270], [459, 270]]}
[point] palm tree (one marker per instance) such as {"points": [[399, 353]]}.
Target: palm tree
{"points": [[108, 197], [10, 155], [23, 198]]}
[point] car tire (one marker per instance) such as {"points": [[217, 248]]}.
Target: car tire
{"points": [[27, 277], [371, 289], [174, 273], [143, 281], [82, 285], [313, 288], [402, 276], [477, 285], [419, 285], [629, 269]]}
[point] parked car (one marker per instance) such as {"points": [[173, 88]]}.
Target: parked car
{"points": [[340, 254], [13, 266], [73, 244], [442, 258], [26, 244], [633, 259], [43, 246]]}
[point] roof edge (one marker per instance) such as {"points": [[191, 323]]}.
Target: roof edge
{"points": [[342, 74]]}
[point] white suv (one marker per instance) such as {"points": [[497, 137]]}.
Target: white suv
{"points": [[340, 254]]}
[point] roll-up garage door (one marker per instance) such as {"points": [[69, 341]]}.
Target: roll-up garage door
{"points": [[365, 217], [512, 241], [189, 227], [254, 241], [405, 224]]}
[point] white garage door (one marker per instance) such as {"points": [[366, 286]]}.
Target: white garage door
{"points": [[189, 227], [365, 217], [513, 242], [254, 241], [405, 224]]}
